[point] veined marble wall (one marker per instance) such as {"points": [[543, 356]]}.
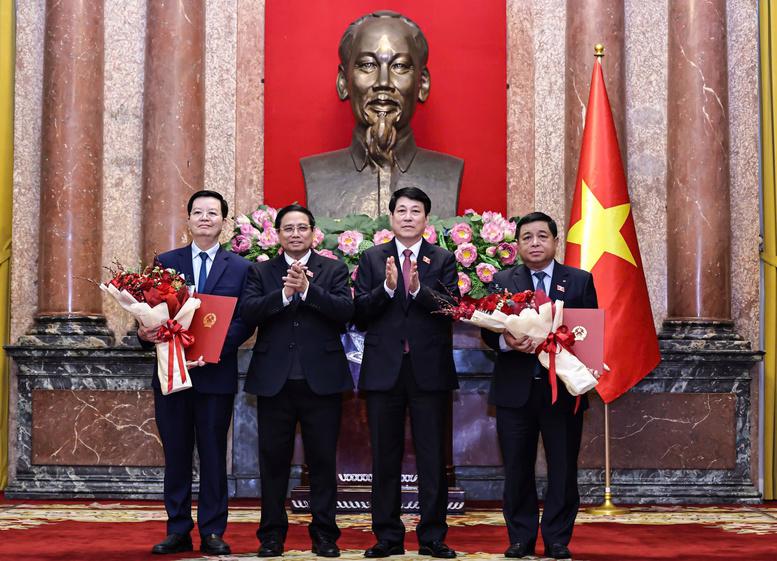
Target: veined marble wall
{"points": [[537, 138]]}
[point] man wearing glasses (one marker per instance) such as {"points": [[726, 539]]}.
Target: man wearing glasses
{"points": [[301, 303]]}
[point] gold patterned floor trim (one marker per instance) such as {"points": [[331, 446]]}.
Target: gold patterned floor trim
{"points": [[737, 519]]}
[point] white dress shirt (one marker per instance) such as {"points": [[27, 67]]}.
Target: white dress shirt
{"points": [[302, 261], [197, 262], [415, 248]]}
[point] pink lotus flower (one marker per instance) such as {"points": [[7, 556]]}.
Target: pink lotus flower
{"points": [[465, 284], [348, 242], [268, 238], [326, 253], [262, 257], [485, 272], [318, 237], [241, 243], [242, 219], [491, 216], [272, 212], [260, 216], [382, 236], [249, 231], [466, 254], [492, 232], [461, 233], [491, 250], [510, 230], [507, 252], [430, 234], [470, 211]]}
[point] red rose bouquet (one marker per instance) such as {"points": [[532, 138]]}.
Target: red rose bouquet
{"points": [[159, 297]]}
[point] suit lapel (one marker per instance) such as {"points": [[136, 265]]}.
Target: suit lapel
{"points": [[522, 279], [185, 264], [216, 270], [424, 259], [315, 265], [560, 277]]}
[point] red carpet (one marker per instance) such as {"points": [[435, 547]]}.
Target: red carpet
{"points": [[105, 531]]}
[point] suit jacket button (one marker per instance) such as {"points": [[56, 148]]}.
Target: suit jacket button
{"points": [[291, 345]]}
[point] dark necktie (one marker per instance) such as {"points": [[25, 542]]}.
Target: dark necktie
{"points": [[203, 272], [406, 264], [540, 276]]}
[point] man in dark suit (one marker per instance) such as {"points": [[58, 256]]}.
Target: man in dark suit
{"points": [[203, 413], [407, 363], [301, 302], [522, 395]]}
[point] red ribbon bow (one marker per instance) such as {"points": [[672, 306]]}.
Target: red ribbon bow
{"points": [[553, 343], [177, 339]]}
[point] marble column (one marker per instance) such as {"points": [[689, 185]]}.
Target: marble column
{"points": [[698, 210], [71, 176], [173, 120], [590, 22]]}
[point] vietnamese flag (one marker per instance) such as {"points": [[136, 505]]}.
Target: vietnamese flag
{"points": [[602, 239]]}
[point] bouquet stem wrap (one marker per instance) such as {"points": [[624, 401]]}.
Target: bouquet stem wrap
{"points": [[176, 339]]}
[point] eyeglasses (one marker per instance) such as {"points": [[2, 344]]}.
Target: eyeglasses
{"points": [[301, 228]]}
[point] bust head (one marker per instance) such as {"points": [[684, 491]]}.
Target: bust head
{"points": [[383, 72]]}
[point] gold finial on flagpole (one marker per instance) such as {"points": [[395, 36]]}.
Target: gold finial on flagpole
{"points": [[599, 50]]}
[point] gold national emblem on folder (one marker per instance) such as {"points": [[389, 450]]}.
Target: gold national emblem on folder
{"points": [[580, 332], [209, 320]]}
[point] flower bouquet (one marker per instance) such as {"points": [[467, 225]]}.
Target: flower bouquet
{"points": [[159, 297], [483, 244], [533, 315]]}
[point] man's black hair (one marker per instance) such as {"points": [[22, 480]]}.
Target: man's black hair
{"points": [[412, 193], [294, 207], [537, 217], [206, 193]]}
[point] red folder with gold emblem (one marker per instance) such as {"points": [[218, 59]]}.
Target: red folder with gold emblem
{"points": [[209, 326], [587, 325]]}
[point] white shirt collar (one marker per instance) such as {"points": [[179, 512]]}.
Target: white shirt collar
{"points": [[415, 248], [211, 252], [303, 260], [548, 270]]}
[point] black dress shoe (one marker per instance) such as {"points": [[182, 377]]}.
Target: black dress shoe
{"points": [[437, 549], [174, 543], [214, 545], [324, 547], [270, 548], [519, 549], [385, 549], [558, 551]]}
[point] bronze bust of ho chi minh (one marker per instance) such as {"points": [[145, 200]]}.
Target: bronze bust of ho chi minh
{"points": [[383, 72]]}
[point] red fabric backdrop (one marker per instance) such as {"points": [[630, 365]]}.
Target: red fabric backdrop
{"points": [[465, 114]]}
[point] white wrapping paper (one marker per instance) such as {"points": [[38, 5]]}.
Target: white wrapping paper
{"points": [[538, 324], [173, 374]]}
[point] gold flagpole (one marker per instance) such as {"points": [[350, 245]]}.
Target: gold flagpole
{"points": [[606, 508]]}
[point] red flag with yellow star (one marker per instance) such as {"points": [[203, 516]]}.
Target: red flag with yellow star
{"points": [[602, 239]]}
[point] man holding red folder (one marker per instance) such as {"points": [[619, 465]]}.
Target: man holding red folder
{"points": [[522, 394], [301, 303], [202, 414]]}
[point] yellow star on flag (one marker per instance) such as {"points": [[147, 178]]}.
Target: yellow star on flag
{"points": [[599, 231]]}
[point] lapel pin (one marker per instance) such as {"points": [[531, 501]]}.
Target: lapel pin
{"points": [[426, 260], [560, 288]]}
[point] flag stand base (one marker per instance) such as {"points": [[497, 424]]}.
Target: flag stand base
{"points": [[607, 508]]}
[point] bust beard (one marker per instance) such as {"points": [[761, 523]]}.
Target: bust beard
{"points": [[381, 136]]}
